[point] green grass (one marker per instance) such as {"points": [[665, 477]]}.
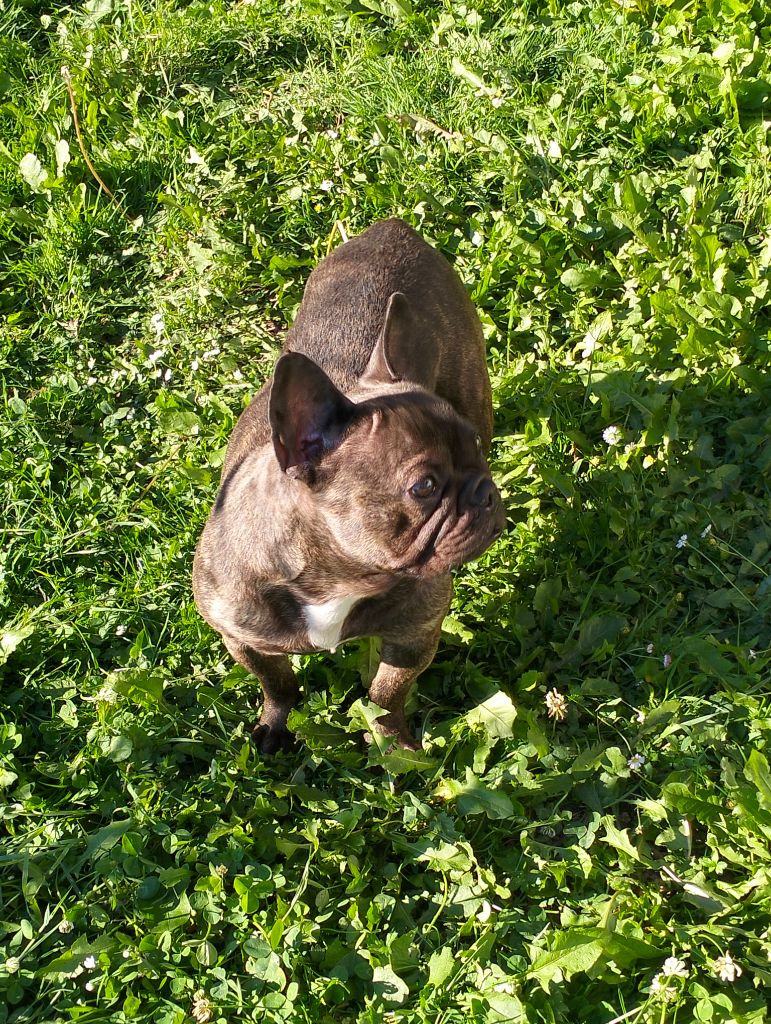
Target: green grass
{"points": [[598, 172]]}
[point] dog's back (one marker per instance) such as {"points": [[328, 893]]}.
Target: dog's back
{"points": [[343, 312]]}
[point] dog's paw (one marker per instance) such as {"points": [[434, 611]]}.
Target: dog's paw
{"points": [[270, 739]]}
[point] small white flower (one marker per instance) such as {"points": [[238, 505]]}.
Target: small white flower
{"points": [[167, 376], [666, 660], [554, 152], [661, 989], [237, 375], [752, 655], [611, 435], [726, 968], [476, 239], [155, 356], [674, 968], [89, 963], [326, 185], [126, 954], [89, 986], [12, 964], [331, 133], [65, 926], [201, 1008], [194, 365], [635, 762], [707, 530], [682, 540], [120, 630], [556, 705], [496, 101], [649, 649], [157, 323]]}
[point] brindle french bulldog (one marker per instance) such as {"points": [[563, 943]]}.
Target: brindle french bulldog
{"points": [[356, 480]]}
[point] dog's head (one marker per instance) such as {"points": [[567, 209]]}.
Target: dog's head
{"points": [[396, 475]]}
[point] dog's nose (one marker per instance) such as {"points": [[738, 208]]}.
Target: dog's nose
{"points": [[476, 494]]}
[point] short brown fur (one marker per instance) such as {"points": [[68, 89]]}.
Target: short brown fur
{"points": [[381, 395]]}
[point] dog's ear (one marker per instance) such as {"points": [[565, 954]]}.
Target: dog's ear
{"points": [[308, 415], [401, 352]]}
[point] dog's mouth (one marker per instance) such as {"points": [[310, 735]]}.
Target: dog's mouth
{"points": [[456, 540]]}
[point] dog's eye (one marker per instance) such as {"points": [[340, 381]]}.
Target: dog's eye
{"points": [[423, 488]]}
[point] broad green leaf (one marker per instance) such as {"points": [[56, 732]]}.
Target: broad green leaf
{"points": [[389, 986], [496, 715], [33, 172], [619, 839], [474, 797], [62, 154], [440, 966], [574, 952], [757, 772], [206, 954], [11, 637], [446, 857], [399, 760], [599, 630]]}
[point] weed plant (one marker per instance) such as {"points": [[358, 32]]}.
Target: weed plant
{"points": [[586, 836]]}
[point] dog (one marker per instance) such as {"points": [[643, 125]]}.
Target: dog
{"points": [[356, 480]]}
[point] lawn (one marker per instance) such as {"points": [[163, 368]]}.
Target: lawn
{"points": [[586, 836]]}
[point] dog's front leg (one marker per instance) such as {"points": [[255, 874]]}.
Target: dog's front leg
{"points": [[402, 660], [280, 694]]}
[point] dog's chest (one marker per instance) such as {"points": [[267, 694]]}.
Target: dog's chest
{"points": [[324, 622]]}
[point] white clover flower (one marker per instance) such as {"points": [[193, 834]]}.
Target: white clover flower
{"points": [[326, 185], [707, 530], [12, 964], [65, 926], [649, 649], [682, 541], [726, 968], [126, 954], [155, 356], [661, 989], [556, 705], [674, 968], [611, 435], [120, 630], [89, 963], [201, 1009], [89, 986], [157, 323], [496, 101], [666, 661], [635, 762]]}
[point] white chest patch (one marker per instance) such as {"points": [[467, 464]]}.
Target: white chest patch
{"points": [[325, 621]]}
